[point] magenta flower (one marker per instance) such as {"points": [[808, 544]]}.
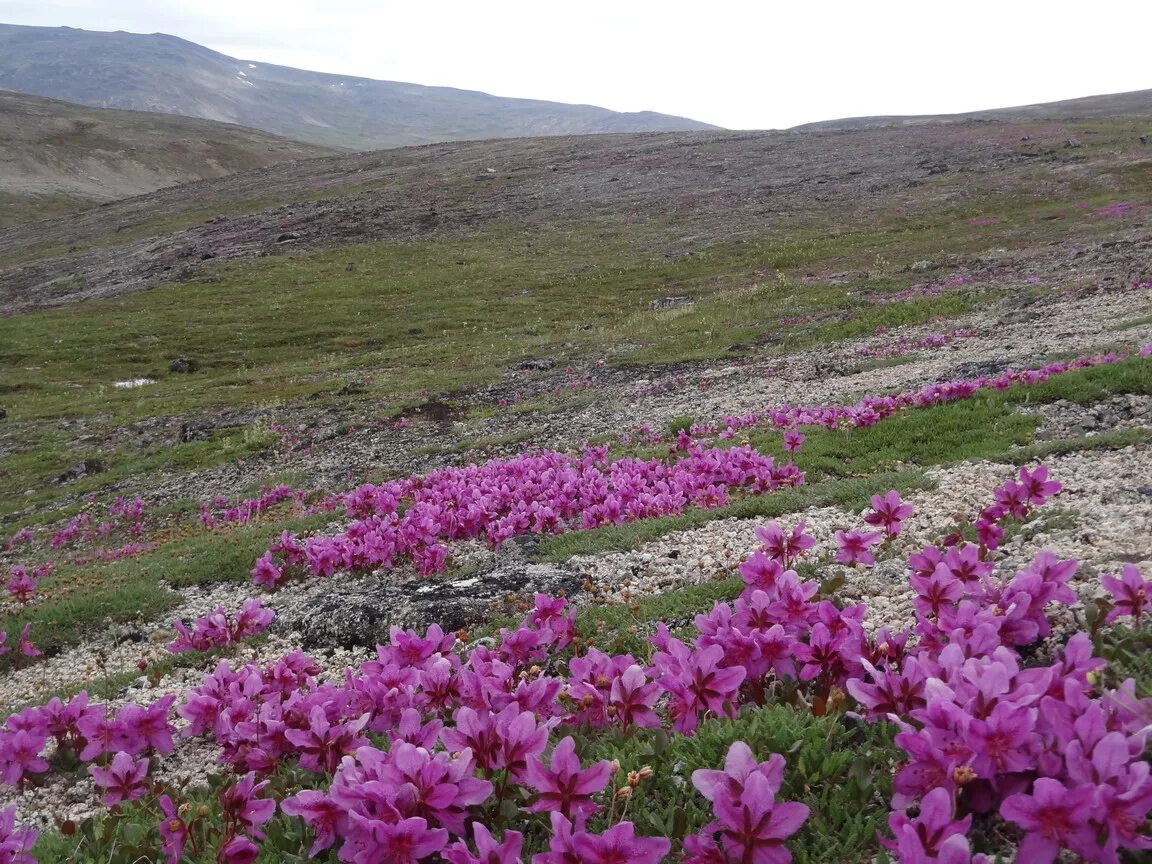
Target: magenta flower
{"points": [[1053, 817], [1035, 486], [173, 831], [20, 754], [753, 827], [566, 789], [793, 441], [26, 646], [632, 698], [782, 547], [22, 584], [15, 843], [322, 745], [1131, 594], [239, 850], [123, 780], [488, 851], [888, 511], [406, 841], [327, 819], [855, 547], [243, 808], [739, 765], [701, 685], [620, 845]]}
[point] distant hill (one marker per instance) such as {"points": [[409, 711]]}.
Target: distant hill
{"points": [[1136, 103], [56, 157], [169, 75]]}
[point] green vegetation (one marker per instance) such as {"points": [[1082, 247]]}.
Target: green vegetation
{"points": [[83, 599]]}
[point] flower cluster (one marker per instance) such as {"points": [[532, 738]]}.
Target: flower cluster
{"points": [[222, 511], [542, 493], [219, 629]]}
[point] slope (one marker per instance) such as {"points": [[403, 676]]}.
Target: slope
{"points": [[57, 157], [166, 74], [1135, 103]]}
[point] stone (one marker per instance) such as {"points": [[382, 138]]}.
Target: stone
{"points": [[83, 468], [672, 303], [534, 364], [362, 613], [183, 366]]}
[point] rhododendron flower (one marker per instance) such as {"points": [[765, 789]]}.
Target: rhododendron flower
{"points": [[933, 835], [620, 845], [1131, 594], [239, 850], [739, 765], [1053, 817], [888, 511], [855, 547], [242, 807], [488, 850], [123, 780], [406, 841], [173, 831], [322, 745], [753, 826], [566, 788], [793, 441], [782, 547], [22, 584], [20, 754], [15, 843], [327, 819], [26, 646]]}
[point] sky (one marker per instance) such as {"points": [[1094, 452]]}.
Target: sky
{"points": [[742, 64]]}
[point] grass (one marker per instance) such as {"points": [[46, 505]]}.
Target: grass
{"points": [[81, 600], [849, 493]]}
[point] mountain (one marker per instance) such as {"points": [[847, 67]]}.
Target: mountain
{"points": [[1135, 103], [169, 75], [56, 157]]}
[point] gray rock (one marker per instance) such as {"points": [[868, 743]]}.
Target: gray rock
{"points": [[362, 613], [534, 364], [83, 468], [183, 366], [672, 302]]}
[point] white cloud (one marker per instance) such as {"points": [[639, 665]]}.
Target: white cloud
{"points": [[738, 63]]}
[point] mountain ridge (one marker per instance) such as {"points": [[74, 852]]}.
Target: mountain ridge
{"points": [[58, 157], [162, 73], [1127, 104]]}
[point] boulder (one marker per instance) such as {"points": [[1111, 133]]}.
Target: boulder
{"points": [[362, 613]]}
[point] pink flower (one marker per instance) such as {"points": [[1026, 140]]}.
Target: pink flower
{"points": [[488, 851], [620, 845], [1053, 817], [243, 808], [793, 441], [753, 826], [855, 547], [888, 512], [566, 788], [239, 850], [123, 780], [327, 819], [15, 843], [26, 646], [173, 831], [739, 765], [1131, 594]]}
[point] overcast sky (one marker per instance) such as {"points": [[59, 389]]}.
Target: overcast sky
{"points": [[744, 64]]}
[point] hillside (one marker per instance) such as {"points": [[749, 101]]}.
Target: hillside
{"points": [[336, 492], [166, 74], [57, 157], [1137, 103]]}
